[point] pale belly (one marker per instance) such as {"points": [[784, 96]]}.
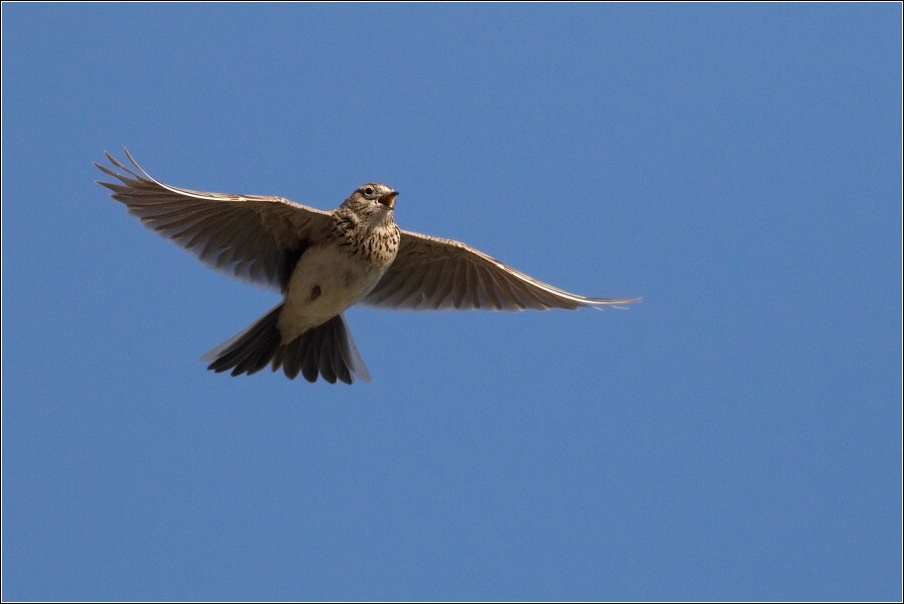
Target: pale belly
{"points": [[325, 282]]}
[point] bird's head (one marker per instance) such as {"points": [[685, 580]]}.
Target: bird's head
{"points": [[372, 202]]}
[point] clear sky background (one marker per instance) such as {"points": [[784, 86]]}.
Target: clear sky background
{"points": [[735, 435]]}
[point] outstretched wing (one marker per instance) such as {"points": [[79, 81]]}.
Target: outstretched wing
{"points": [[430, 273], [251, 237]]}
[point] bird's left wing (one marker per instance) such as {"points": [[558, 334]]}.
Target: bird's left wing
{"points": [[430, 273], [252, 237]]}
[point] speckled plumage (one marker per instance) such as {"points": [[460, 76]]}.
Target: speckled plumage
{"points": [[324, 262]]}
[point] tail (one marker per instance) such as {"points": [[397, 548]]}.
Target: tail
{"points": [[327, 350]]}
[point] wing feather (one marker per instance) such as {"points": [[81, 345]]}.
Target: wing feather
{"points": [[430, 273], [444, 283], [476, 288], [252, 237]]}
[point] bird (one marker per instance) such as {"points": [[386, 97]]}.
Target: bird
{"points": [[323, 262]]}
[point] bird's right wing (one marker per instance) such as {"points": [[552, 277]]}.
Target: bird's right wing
{"points": [[430, 273], [252, 237]]}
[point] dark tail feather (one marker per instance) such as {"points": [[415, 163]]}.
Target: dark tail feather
{"points": [[251, 350], [327, 350]]}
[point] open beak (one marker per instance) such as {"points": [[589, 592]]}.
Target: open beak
{"points": [[388, 200]]}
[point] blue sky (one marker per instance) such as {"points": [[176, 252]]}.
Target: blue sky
{"points": [[736, 435]]}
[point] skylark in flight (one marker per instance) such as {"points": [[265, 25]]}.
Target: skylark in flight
{"points": [[323, 263]]}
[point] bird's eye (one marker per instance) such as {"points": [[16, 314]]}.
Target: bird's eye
{"points": [[369, 191]]}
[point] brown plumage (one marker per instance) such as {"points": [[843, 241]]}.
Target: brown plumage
{"points": [[324, 262]]}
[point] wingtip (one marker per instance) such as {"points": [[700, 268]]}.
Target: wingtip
{"points": [[618, 304]]}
